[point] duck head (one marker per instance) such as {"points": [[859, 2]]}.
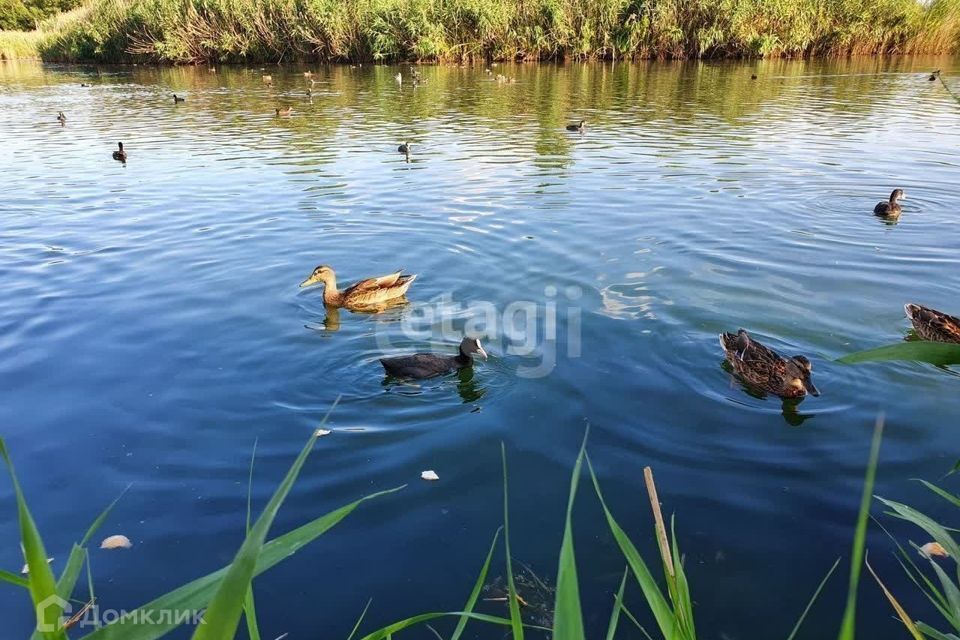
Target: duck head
{"points": [[469, 346], [799, 369], [897, 194], [323, 274]]}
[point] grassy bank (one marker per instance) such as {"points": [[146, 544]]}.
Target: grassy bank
{"points": [[192, 31]]}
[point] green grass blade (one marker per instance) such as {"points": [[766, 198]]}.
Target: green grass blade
{"points": [[635, 622], [848, 627], [516, 622], [928, 524], [939, 353], [389, 630], [946, 495], [359, 620], [223, 613], [42, 585], [249, 606], [816, 594], [617, 606], [14, 579], [651, 590], [477, 588], [897, 607], [930, 632], [250, 615], [684, 604], [950, 590], [567, 616], [196, 594]]}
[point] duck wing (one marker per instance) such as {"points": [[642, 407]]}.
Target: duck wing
{"points": [[373, 291], [934, 325]]}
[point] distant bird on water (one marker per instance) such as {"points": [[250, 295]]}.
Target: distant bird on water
{"points": [[284, 112], [934, 75], [753, 76], [120, 154], [177, 99], [62, 119], [577, 127], [404, 148], [890, 208], [427, 365], [398, 78]]}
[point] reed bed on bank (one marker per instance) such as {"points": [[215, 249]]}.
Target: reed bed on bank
{"points": [[195, 31]]}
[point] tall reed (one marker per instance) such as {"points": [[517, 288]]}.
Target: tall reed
{"points": [[190, 31]]}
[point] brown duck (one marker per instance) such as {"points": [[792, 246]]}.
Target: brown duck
{"points": [[933, 325], [765, 369], [891, 208], [362, 295]]}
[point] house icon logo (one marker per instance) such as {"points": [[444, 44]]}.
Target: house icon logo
{"points": [[45, 626]]}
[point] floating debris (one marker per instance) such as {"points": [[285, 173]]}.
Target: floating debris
{"points": [[26, 567], [933, 549], [319, 433], [116, 542], [430, 474]]}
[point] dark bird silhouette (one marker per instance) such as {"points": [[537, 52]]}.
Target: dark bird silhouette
{"points": [[427, 365], [890, 208], [120, 154]]}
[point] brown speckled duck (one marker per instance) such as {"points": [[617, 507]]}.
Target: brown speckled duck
{"points": [[765, 369], [891, 208], [362, 295], [933, 325]]}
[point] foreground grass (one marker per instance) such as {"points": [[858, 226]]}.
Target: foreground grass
{"points": [[227, 594], [191, 31]]}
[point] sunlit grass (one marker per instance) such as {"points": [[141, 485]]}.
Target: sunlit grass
{"points": [[185, 31]]}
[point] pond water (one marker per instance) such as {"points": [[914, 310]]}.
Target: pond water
{"points": [[152, 328]]}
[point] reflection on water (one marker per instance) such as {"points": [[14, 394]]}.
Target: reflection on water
{"points": [[151, 327]]}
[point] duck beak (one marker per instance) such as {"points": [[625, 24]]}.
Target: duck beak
{"points": [[481, 353], [309, 281], [811, 388]]}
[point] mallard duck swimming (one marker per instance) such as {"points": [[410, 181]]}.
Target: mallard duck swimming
{"points": [[427, 365], [891, 208], [576, 127], [177, 99], [284, 112], [364, 294], [933, 325], [62, 119], [404, 148], [120, 154], [934, 75], [765, 369]]}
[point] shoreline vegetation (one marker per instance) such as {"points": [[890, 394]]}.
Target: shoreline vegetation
{"points": [[448, 31]]}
